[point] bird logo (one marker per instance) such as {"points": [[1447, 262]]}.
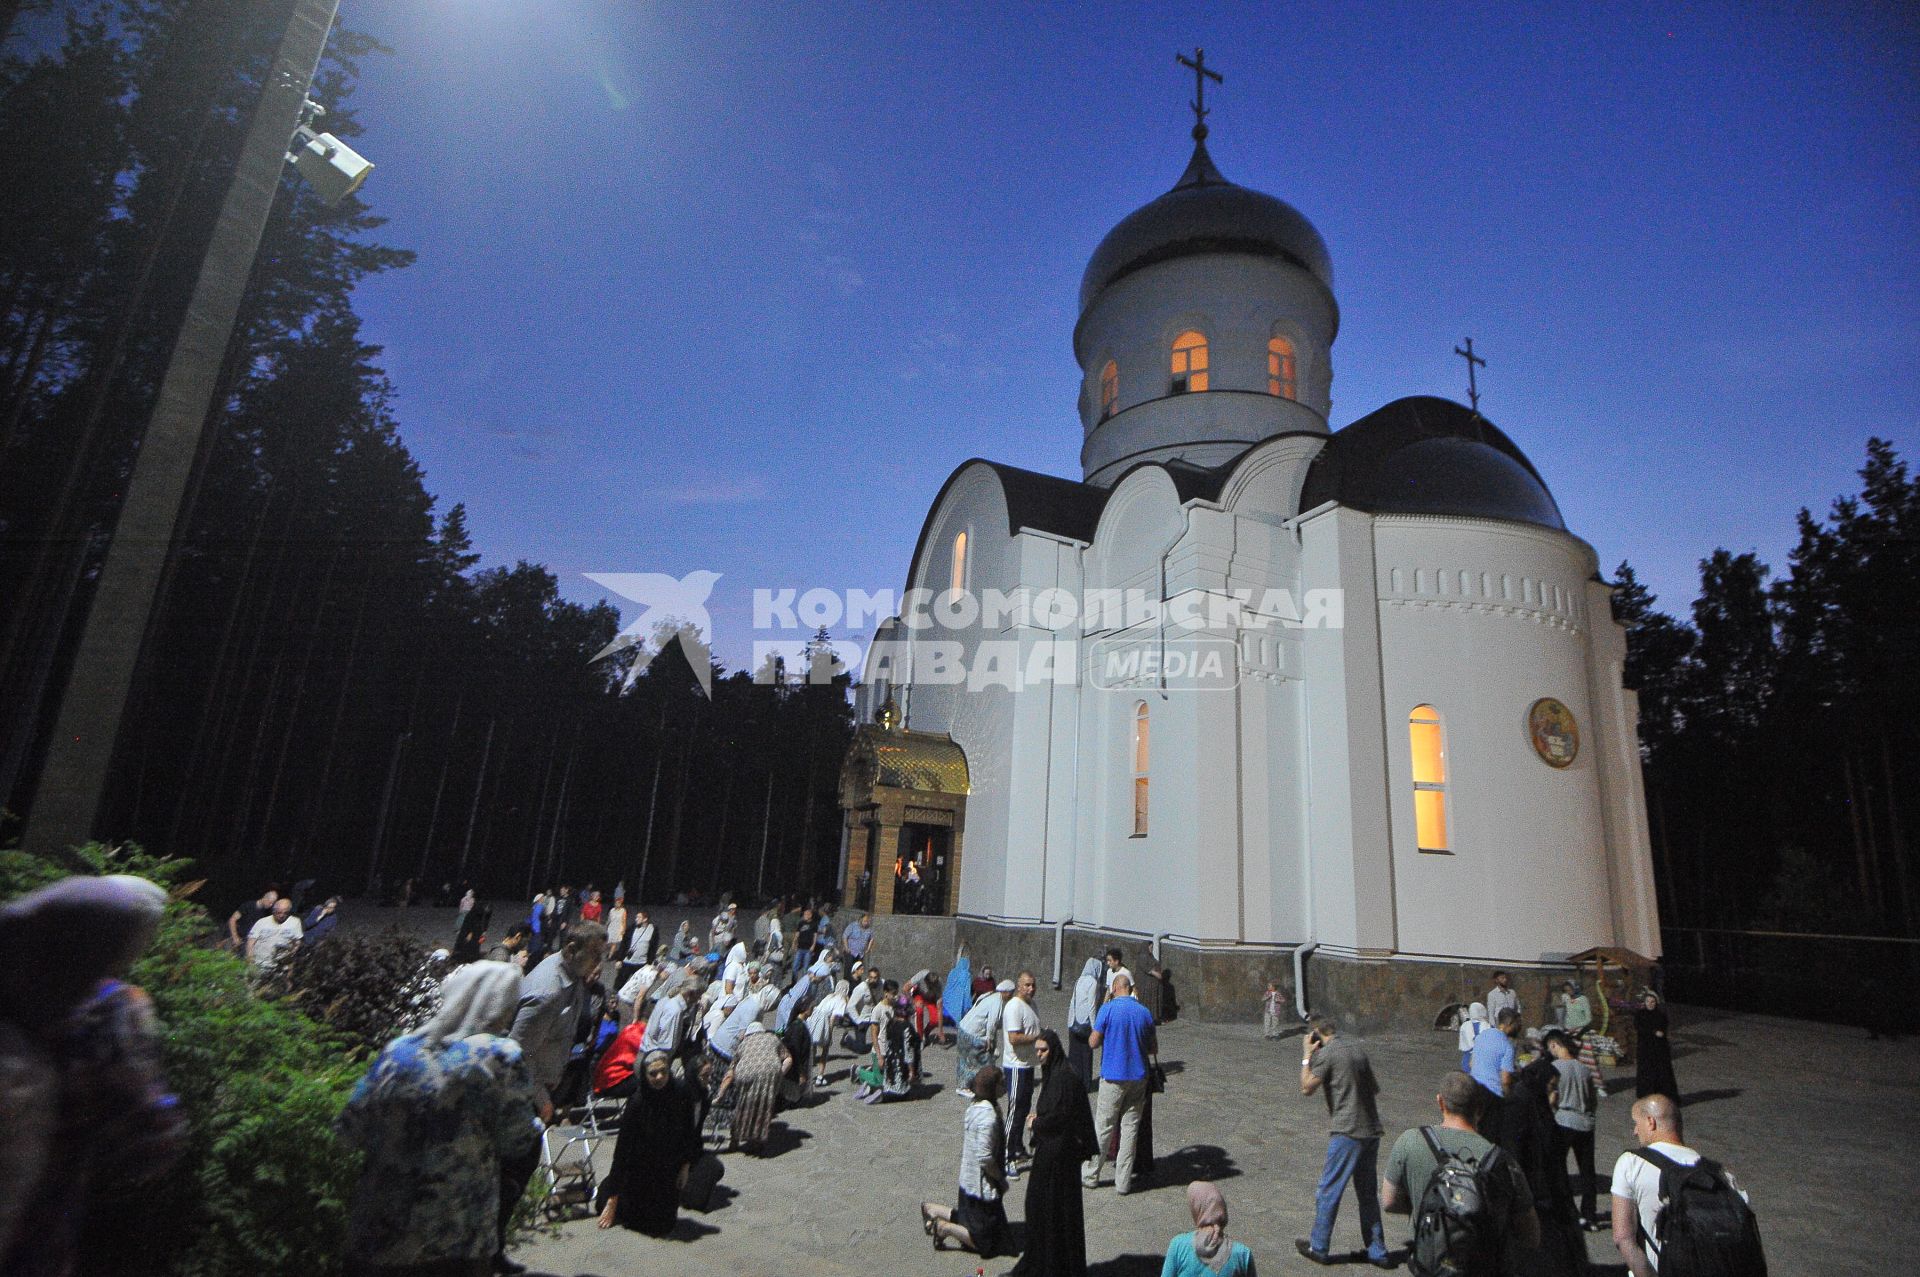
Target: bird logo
{"points": [[679, 605]]}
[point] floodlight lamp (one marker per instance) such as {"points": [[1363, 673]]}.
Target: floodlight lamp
{"points": [[334, 169]]}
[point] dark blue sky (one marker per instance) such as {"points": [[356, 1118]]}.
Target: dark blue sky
{"points": [[736, 286]]}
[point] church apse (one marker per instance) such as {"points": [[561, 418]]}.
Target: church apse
{"points": [[903, 797]]}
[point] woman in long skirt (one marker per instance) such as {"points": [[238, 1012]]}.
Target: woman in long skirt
{"points": [[659, 1141], [758, 1066], [978, 1219], [1080, 1012], [1653, 1050], [1063, 1137]]}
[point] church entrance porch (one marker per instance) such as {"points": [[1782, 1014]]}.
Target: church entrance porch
{"points": [[920, 883], [903, 801]]}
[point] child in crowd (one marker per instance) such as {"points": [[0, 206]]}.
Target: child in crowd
{"points": [[1270, 1011]]}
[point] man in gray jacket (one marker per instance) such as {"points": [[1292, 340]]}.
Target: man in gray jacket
{"points": [[552, 1001]]}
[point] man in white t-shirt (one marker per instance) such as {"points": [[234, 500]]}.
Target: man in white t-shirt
{"points": [[1116, 967], [1636, 1183], [1019, 1030], [272, 935], [1501, 997]]}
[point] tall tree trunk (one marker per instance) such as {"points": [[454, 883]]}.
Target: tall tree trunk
{"points": [[653, 801], [340, 707], [299, 697], [1896, 841], [473, 811], [679, 808], [539, 814], [1863, 862], [440, 789], [217, 679]]}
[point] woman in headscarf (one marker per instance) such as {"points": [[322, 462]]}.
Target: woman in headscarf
{"points": [[659, 1141], [684, 945], [1080, 1012], [820, 1027], [1653, 1050], [83, 1101], [735, 973], [1206, 1251], [978, 1220], [1470, 1028], [1062, 1137], [956, 996], [759, 1063], [435, 1115], [1530, 1134]]}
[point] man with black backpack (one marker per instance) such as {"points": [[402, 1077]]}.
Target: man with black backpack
{"points": [[1674, 1211], [1468, 1198]]}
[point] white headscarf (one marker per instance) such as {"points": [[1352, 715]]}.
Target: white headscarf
{"points": [[1470, 1027], [477, 998], [1086, 995]]}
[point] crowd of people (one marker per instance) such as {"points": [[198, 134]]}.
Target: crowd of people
{"points": [[690, 1044]]}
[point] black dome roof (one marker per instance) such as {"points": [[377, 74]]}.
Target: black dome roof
{"points": [[1424, 455], [1205, 213]]}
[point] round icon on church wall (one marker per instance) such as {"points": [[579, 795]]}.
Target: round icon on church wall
{"points": [[1553, 731]]}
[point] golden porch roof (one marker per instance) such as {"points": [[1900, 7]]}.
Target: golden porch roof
{"points": [[925, 761]]}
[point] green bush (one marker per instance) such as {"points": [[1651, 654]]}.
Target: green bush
{"points": [[262, 1189]]}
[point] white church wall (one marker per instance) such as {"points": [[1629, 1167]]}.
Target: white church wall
{"points": [[979, 720], [1479, 619], [1636, 920], [1348, 903]]}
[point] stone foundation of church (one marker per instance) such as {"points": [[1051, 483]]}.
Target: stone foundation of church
{"points": [[1222, 983]]}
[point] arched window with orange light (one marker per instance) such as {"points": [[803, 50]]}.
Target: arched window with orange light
{"points": [[959, 580], [1140, 770], [1427, 736], [1109, 389], [1281, 380], [1189, 363]]}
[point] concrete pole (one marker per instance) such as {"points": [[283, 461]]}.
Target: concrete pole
{"points": [[73, 781]]}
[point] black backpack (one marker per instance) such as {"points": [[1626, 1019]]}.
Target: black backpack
{"points": [[1704, 1228], [1459, 1229]]}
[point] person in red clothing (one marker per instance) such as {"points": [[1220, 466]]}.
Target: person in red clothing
{"points": [[984, 982], [615, 1078], [593, 909], [927, 1021]]}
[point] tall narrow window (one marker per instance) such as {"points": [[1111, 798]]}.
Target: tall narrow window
{"points": [[1428, 740], [1140, 770], [1189, 363], [1280, 378], [1109, 389], [960, 562]]}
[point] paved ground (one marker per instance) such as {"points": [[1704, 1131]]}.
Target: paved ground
{"points": [[1831, 1172], [1820, 1125]]}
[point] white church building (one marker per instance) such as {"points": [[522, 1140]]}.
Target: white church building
{"points": [[1417, 766]]}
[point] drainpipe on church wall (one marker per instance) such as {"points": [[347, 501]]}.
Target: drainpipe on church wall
{"points": [[1059, 945], [1300, 977]]}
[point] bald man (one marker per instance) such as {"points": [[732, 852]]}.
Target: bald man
{"points": [[1636, 1183], [1124, 1035]]}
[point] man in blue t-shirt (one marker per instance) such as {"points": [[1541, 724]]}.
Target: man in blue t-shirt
{"points": [[1123, 1033], [1491, 1062]]}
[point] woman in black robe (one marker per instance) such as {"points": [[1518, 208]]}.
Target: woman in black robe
{"points": [[1531, 1135], [1063, 1137], [659, 1141], [1653, 1050]]}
